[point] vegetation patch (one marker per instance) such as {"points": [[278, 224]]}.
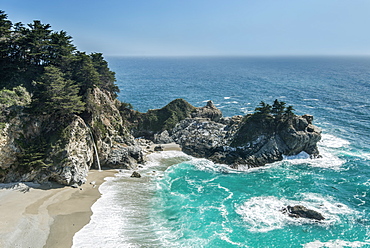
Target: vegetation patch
{"points": [[267, 119], [166, 118]]}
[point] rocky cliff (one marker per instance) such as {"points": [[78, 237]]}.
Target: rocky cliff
{"points": [[46, 148]]}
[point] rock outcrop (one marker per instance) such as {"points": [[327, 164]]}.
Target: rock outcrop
{"points": [[299, 211], [253, 140], [209, 111]]}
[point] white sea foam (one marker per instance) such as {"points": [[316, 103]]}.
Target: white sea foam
{"points": [[207, 165], [120, 215], [227, 97], [263, 214], [328, 148], [327, 160], [328, 140], [301, 155], [336, 244]]}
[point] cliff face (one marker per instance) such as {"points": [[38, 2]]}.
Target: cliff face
{"points": [[117, 147], [41, 148]]}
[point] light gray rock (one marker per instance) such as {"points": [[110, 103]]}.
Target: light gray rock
{"points": [[163, 138], [252, 141], [209, 112]]}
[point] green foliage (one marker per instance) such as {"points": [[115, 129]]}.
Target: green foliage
{"points": [[166, 118], [2, 125], [27, 51], [99, 126], [278, 109], [266, 120], [33, 154], [125, 105], [106, 76], [289, 111], [59, 96], [17, 96], [263, 109], [39, 62]]}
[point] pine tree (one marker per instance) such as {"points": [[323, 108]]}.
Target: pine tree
{"points": [[278, 108], [59, 96], [264, 108], [289, 111]]}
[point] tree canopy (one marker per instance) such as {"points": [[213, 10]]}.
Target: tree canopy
{"points": [[49, 66], [277, 109]]}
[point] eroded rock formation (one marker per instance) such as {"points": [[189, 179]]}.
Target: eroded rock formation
{"points": [[252, 140]]}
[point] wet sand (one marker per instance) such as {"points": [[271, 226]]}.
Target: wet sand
{"points": [[47, 216]]}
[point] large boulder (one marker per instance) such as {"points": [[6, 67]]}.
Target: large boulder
{"points": [[300, 211]]}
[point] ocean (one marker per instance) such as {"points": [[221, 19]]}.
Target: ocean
{"points": [[182, 201]]}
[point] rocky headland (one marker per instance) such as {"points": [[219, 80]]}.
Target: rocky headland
{"points": [[252, 140], [108, 134]]}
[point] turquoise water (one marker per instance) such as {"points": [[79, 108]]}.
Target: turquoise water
{"points": [[185, 202]]}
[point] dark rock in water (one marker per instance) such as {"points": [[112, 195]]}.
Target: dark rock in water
{"points": [[299, 211], [136, 174], [158, 148]]}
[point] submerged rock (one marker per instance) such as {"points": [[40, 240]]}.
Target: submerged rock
{"points": [[300, 211]]}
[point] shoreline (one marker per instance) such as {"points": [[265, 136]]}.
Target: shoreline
{"points": [[48, 215]]}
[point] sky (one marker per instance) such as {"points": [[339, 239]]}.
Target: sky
{"points": [[205, 27]]}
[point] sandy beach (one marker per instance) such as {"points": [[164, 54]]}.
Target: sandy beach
{"points": [[47, 215]]}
